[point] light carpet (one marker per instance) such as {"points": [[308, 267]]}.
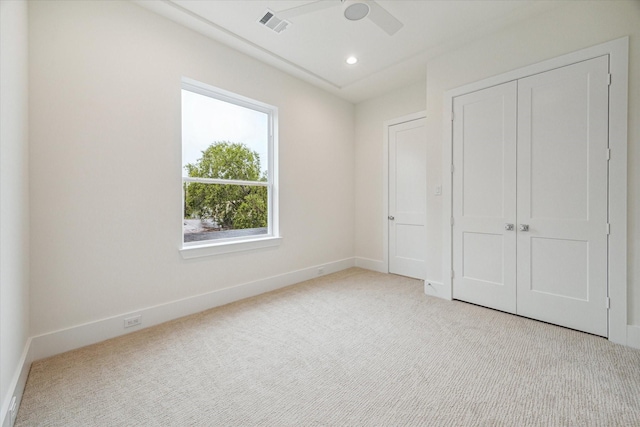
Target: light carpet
{"points": [[355, 348]]}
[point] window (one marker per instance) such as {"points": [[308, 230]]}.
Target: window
{"points": [[229, 171]]}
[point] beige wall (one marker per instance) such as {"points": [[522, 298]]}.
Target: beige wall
{"points": [[14, 194], [105, 152], [106, 163], [574, 26]]}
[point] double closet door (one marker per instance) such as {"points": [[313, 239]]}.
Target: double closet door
{"points": [[530, 171]]}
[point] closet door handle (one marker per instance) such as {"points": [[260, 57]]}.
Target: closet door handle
{"points": [[508, 227], [524, 227], [391, 218]]}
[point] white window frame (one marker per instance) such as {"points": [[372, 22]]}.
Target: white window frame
{"points": [[238, 244]]}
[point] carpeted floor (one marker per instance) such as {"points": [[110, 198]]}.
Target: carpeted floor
{"points": [[355, 348]]}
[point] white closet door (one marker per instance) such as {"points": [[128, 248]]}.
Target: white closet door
{"points": [[562, 196], [484, 192], [407, 198]]}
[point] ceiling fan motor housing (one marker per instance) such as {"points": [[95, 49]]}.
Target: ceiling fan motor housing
{"points": [[355, 10]]}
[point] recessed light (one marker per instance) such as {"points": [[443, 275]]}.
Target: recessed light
{"points": [[352, 60]]}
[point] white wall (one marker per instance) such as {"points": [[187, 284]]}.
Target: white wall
{"points": [[574, 26], [370, 116], [105, 152], [14, 195], [105, 163]]}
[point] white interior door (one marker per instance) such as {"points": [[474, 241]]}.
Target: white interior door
{"points": [[407, 199], [562, 196], [484, 192]]}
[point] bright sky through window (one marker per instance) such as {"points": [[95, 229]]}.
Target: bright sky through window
{"points": [[207, 120]]}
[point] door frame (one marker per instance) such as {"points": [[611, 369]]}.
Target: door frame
{"points": [[385, 179], [618, 51]]}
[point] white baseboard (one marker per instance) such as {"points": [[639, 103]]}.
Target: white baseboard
{"points": [[436, 289], [57, 342], [633, 336], [18, 383], [371, 264]]}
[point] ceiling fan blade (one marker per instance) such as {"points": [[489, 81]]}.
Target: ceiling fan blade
{"points": [[306, 8], [383, 19]]}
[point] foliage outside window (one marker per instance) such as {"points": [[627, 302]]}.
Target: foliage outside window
{"points": [[228, 167]]}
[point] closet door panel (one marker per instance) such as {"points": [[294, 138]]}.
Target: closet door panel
{"points": [[484, 152], [562, 196]]}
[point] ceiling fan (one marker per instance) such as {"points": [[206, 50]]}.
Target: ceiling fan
{"points": [[353, 10]]}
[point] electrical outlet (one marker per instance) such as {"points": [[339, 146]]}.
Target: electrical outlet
{"points": [[320, 271], [13, 411], [133, 321]]}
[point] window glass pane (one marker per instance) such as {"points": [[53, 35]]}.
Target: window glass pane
{"points": [[220, 211], [207, 121], [226, 141]]}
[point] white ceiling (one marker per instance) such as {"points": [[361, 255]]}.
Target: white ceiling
{"points": [[315, 46]]}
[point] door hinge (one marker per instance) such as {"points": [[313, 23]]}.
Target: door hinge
{"points": [[607, 302], [451, 221], [608, 153], [452, 274], [608, 228], [452, 168], [452, 115], [609, 79]]}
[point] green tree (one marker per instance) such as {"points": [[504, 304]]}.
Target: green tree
{"points": [[229, 205]]}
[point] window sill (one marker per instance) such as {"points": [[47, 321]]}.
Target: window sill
{"points": [[219, 248]]}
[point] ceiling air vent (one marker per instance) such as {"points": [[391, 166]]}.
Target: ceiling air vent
{"points": [[270, 20]]}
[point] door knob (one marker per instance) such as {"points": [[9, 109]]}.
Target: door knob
{"points": [[391, 218], [524, 227], [508, 227]]}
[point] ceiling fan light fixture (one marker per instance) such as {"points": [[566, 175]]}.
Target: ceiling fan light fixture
{"points": [[356, 11]]}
